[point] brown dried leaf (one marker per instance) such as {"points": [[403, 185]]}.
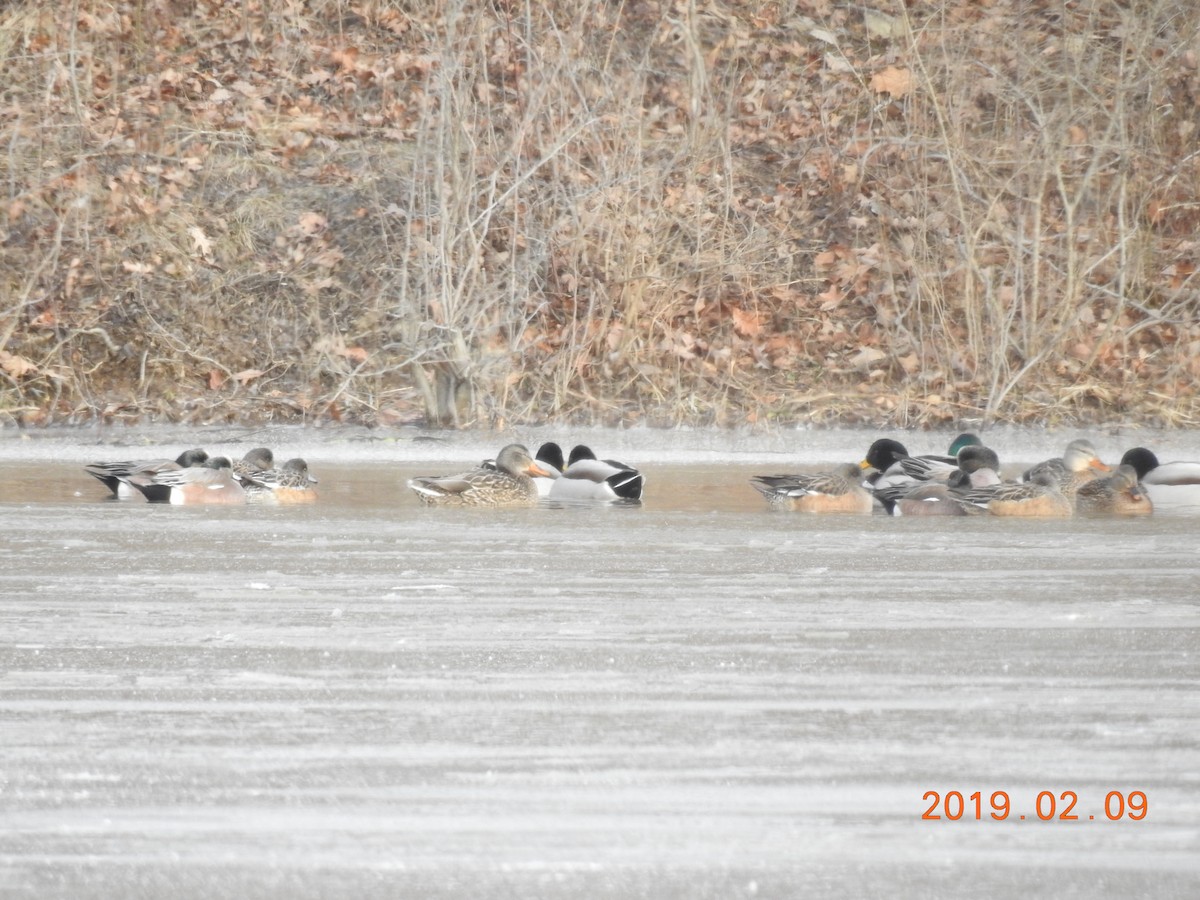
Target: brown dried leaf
{"points": [[1180, 272], [16, 366], [866, 357], [200, 241], [335, 345], [311, 223], [329, 258], [882, 25], [893, 81], [827, 258], [746, 323], [347, 58], [830, 299], [837, 62]]}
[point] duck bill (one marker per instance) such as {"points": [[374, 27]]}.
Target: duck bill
{"points": [[1098, 466], [536, 470]]}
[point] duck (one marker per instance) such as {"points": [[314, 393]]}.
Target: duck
{"points": [[212, 481], [1172, 486], [893, 465], [836, 491], [1078, 465], [1039, 498], [260, 459], [111, 474], [290, 483], [978, 467], [1120, 494], [549, 458], [506, 482], [587, 478], [966, 439]]}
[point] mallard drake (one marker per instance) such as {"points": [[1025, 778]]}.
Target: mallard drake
{"points": [[290, 483], [966, 439], [211, 482], [549, 458], [587, 478], [838, 491], [1172, 486], [1119, 494], [887, 458], [111, 474], [1078, 465], [1040, 498], [978, 467], [506, 482]]}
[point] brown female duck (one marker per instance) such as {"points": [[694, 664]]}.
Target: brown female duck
{"points": [[1119, 494], [506, 482]]}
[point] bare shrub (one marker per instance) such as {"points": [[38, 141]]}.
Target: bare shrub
{"points": [[664, 210]]}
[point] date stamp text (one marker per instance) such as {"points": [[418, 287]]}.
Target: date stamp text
{"points": [[1047, 806]]}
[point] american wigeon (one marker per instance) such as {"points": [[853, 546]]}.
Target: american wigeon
{"points": [[890, 464], [290, 483], [1039, 498], [1119, 494], [1172, 486], [211, 482], [507, 482], [587, 478], [978, 467], [260, 459], [838, 491], [980, 464], [111, 474]]}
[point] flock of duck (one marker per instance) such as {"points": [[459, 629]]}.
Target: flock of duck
{"points": [[195, 477], [966, 480], [511, 479]]}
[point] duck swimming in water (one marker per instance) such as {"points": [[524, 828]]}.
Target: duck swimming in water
{"points": [[506, 482]]}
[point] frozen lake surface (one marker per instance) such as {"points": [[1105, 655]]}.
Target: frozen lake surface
{"points": [[692, 698]]}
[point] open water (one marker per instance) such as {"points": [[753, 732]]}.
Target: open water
{"points": [[695, 697]]}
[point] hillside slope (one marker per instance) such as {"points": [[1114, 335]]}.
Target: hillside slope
{"points": [[600, 211]]}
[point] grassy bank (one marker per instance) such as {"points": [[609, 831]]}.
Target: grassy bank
{"points": [[600, 211]]}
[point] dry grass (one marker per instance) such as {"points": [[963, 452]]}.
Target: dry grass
{"points": [[1056, 163], [660, 211]]}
